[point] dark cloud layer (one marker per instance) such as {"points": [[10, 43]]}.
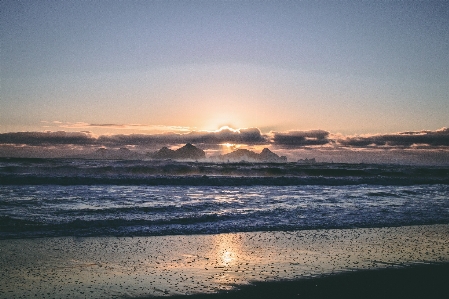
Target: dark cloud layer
{"points": [[47, 138], [301, 138], [404, 139], [250, 136], [243, 136]]}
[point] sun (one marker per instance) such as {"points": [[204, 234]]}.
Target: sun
{"points": [[227, 128], [227, 147]]}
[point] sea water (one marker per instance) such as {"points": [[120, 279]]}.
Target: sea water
{"points": [[64, 197]]}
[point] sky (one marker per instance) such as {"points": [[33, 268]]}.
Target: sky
{"points": [[351, 79]]}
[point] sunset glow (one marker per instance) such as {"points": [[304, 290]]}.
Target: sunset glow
{"points": [[226, 75], [224, 149]]}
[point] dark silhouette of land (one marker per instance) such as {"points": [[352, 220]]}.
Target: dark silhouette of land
{"points": [[246, 155], [190, 152], [187, 152]]}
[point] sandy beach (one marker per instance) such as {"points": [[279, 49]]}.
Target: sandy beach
{"points": [[110, 267]]}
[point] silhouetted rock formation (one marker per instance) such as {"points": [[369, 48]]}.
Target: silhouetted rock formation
{"points": [[163, 153], [241, 154], [187, 152], [246, 155], [269, 156]]}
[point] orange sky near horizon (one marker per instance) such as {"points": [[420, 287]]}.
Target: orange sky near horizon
{"points": [[295, 76]]}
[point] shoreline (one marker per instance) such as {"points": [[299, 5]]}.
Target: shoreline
{"points": [[141, 267]]}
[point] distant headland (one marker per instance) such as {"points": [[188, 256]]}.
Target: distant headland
{"points": [[187, 152], [190, 152]]}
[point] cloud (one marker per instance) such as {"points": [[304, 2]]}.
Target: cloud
{"points": [[293, 139], [248, 136], [403, 139], [243, 136], [47, 138]]}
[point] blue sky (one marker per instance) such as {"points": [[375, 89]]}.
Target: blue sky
{"points": [[143, 67]]}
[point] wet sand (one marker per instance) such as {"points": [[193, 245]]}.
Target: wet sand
{"points": [[109, 267]]}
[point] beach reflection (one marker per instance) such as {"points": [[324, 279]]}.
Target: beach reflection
{"points": [[229, 257], [227, 249]]}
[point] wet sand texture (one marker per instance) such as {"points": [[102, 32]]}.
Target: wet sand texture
{"points": [[109, 267]]}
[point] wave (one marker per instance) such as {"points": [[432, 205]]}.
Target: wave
{"points": [[124, 210], [212, 224], [69, 197], [383, 194], [204, 180], [117, 172]]}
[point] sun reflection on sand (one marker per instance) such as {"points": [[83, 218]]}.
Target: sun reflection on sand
{"points": [[227, 249], [172, 265], [227, 257]]}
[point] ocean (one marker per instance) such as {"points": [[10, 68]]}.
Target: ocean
{"points": [[84, 198]]}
